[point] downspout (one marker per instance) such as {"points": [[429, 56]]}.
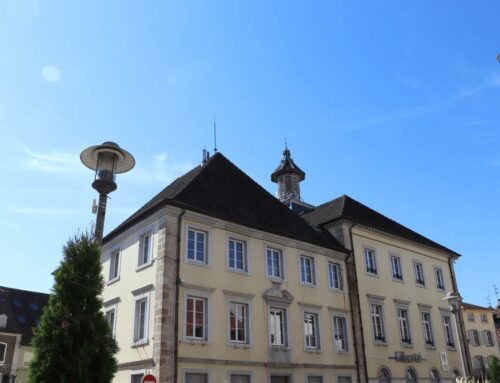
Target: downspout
{"points": [[460, 321], [177, 293]]}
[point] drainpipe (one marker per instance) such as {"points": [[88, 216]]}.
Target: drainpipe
{"points": [[177, 293]]}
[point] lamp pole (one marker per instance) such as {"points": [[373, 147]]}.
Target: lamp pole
{"points": [[453, 300], [107, 159]]}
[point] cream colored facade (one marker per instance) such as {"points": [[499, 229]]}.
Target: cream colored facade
{"points": [[481, 337], [218, 286]]}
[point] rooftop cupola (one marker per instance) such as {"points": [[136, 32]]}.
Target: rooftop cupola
{"points": [[288, 176]]}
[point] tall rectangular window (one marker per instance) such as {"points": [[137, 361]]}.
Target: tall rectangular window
{"points": [[311, 330], [197, 246], [277, 327], [110, 317], [140, 319], [370, 261], [418, 269], [3, 351], [474, 337], [439, 278], [240, 378], [397, 272], [377, 315], [144, 249], [114, 265], [404, 326], [136, 378], [483, 318], [314, 379], [340, 334], [237, 259], [307, 272], [194, 377], [274, 261], [487, 338], [335, 276], [427, 329], [238, 322], [448, 332], [470, 317], [196, 318]]}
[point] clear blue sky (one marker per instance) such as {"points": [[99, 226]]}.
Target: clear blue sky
{"points": [[393, 103]]}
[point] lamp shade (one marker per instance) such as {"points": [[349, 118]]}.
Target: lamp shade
{"points": [[123, 163]]}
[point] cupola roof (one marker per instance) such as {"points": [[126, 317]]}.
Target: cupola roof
{"points": [[287, 166]]}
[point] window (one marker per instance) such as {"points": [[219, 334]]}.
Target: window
{"points": [[110, 317], [419, 273], [448, 333], [397, 272], [280, 379], [236, 255], [470, 317], [479, 362], [21, 319], [340, 334], [378, 322], [16, 302], [3, 320], [311, 331], [34, 306], [435, 376], [196, 318], [114, 266], [277, 327], [145, 249], [487, 338], [194, 377], [3, 351], [335, 276], [238, 322], [404, 325], [474, 337], [411, 375], [197, 246], [384, 376], [439, 278], [314, 379], [307, 273], [483, 318], [274, 263], [240, 378], [136, 378], [344, 379], [427, 329], [141, 320], [370, 262]]}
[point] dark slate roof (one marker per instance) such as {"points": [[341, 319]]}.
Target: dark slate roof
{"points": [[219, 189], [287, 166], [470, 306], [19, 304], [348, 208]]}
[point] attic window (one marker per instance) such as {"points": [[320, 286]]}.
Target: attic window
{"points": [[16, 302], [3, 321], [21, 319], [34, 306]]}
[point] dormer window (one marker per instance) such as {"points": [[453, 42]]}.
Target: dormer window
{"points": [[3, 321]]}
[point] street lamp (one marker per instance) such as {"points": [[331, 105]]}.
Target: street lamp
{"points": [[107, 159], [453, 300]]}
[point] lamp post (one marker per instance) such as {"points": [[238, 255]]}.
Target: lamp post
{"points": [[453, 300], [107, 159]]}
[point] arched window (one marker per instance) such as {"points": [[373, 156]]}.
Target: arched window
{"points": [[384, 375], [411, 375], [455, 374], [435, 376]]}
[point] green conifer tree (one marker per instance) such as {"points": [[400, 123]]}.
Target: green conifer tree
{"points": [[494, 370], [73, 342]]}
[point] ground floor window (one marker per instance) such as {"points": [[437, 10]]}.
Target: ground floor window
{"points": [[240, 378], [384, 376], [314, 379], [280, 379], [195, 377], [136, 378], [411, 375], [344, 379], [435, 376]]}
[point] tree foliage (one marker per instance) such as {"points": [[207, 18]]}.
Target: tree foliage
{"points": [[73, 342], [494, 370]]}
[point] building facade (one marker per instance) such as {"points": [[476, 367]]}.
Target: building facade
{"points": [[481, 336]]}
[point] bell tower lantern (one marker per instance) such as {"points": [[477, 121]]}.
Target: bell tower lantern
{"points": [[288, 177]]}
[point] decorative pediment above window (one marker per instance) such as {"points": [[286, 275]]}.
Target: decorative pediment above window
{"points": [[276, 295], [3, 321]]}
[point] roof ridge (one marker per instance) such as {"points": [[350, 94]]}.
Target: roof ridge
{"points": [[8, 289]]}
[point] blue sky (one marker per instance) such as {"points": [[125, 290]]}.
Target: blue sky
{"points": [[393, 103]]}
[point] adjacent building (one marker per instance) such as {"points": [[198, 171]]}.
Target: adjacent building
{"points": [[20, 311], [481, 336]]}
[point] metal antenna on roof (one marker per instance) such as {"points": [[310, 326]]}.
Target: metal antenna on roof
{"points": [[215, 135], [286, 144]]}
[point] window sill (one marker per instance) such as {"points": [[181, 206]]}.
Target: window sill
{"points": [[372, 275], [342, 352], [275, 279], [430, 347], [239, 345], [398, 280], [237, 271], [141, 342], [307, 284], [196, 263], [421, 286], [406, 345], [380, 343], [144, 266], [193, 341], [111, 281], [334, 290], [450, 348], [312, 350]]}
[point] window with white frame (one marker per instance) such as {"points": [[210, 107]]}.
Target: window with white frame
{"points": [[3, 352], [114, 265], [427, 329], [439, 278], [236, 255], [238, 322], [447, 330], [307, 272], [311, 331], [418, 269], [474, 337], [479, 362], [377, 314], [404, 325], [370, 261], [196, 377], [145, 249], [487, 338], [335, 276], [136, 378], [240, 378], [197, 247], [141, 320], [110, 316], [470, 317], [483, 318], [397, 271], [340, 342], [274, 261], [277, 327], [196, 318]]}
